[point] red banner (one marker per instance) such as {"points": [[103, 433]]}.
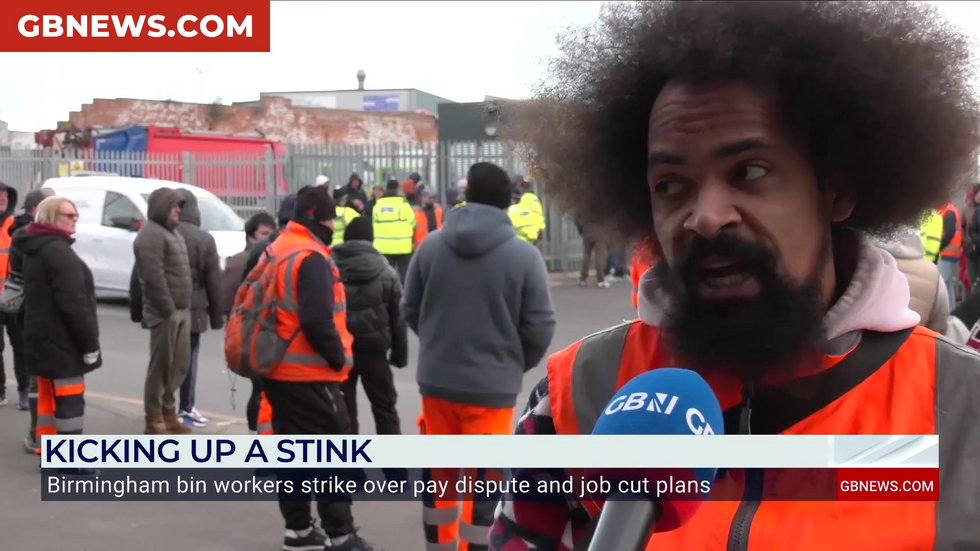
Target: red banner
{"points": [[117, 26], [907, 484]]}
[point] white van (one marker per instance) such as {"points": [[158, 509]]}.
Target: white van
{"points": [[111, 210]]}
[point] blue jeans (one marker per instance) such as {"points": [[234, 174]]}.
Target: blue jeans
{"points": [[949, 268], [188, 387]]}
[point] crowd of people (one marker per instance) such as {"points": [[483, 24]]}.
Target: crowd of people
{"points": [[351, 276], [772, 168]]}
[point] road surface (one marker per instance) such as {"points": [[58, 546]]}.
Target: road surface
{"points": [[114, 406]]}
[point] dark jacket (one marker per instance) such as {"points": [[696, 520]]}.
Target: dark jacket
{"points": [[358, 194], [60, 321], [16, 256], [476, 272], [373, 294], [232, 279], [162, 264], [202, 252]]}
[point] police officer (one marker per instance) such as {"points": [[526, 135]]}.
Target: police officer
{"points": [[394, 227]]}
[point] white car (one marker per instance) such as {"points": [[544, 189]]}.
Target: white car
{"points": [[111, 209]]}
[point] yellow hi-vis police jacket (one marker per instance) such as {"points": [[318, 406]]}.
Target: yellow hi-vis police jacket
{"points": [[344, 217], [530, 202], [525, 222], [931, 232], [394, 225]]}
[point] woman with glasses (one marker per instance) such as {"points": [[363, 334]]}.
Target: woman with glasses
{"points": [[61, 329]]}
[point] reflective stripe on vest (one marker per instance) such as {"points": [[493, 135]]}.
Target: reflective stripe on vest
{"points": [[394, 225], [301, 363], [937, 376], [263, 423], [344, 217], [931, 232], [5, 247], [955, 246]]}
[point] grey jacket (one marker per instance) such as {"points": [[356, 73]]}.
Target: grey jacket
{"points": [[161, 261], [479, 300], [202, 252]]}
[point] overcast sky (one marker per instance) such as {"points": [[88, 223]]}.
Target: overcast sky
{"points": [[458, 50]]}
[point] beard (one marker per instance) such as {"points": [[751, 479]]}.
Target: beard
{"points": [[779, 329]]}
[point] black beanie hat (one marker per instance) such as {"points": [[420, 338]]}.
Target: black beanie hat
{"points": [[360, 229], [392, 185], [315, 203], [488, 184]]}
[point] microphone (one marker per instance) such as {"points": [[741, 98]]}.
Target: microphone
{"points": [[663, 401]]}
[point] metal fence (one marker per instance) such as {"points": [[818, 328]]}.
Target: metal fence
{"points": [[252, 182]]}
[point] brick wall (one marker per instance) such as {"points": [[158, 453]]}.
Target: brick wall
{"points": [[276, 118]]}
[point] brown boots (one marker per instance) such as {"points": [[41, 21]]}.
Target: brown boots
{"points": [[164, 422]]}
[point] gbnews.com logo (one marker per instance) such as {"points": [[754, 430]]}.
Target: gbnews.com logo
{"points": [[155, 26], [662, 403], [113, 26]]}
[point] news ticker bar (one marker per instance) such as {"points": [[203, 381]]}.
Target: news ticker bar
{"points": [[433, 451], [164, 484]]}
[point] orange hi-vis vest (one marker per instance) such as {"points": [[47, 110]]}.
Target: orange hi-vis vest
{"points": [[955, 247], [422, 224], [637, 268], [912, 382], [301, 363], [5, 247]]}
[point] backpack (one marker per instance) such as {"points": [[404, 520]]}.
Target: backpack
{"points": [[12, 294], [252, 345]]}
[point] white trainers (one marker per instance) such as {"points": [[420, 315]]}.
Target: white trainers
{"points": [[193, 417], [603, 285]]}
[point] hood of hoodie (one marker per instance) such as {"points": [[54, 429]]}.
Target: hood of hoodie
{"points": [[358, 261], [158, 206], [906, 247], [475, 229], [189, 211], [31, 243], [11, 201], [355, 176], [286, 210], [876, 299]]}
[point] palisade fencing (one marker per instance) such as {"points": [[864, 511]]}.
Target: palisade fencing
{"points": [[253, 182]]}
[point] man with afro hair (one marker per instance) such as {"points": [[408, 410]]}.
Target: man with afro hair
{"points": [[759, 145]]}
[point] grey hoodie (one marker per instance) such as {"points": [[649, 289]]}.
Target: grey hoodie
{"points": [[479, 300]]}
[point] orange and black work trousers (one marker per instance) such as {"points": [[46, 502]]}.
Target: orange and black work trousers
{"points": [[263, 424], [60, 406], [444, 529]]}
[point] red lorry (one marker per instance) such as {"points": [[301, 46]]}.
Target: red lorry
{"points": [[227, 165]]}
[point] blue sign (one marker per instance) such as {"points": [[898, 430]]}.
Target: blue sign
{"points": [[380, 103]]}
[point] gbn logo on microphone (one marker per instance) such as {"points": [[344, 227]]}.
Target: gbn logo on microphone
{"points": [[659, 403]]}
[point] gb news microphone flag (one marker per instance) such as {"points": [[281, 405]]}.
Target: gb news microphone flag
{"points": [[392, 467]]}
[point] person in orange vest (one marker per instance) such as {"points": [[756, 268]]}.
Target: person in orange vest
{"points": [[765, 176], [950, 250], [643, 259], [428, 217], [8, 203], [304, 389]]}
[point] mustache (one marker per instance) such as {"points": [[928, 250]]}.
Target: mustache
{"points": [[759, 260]]}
